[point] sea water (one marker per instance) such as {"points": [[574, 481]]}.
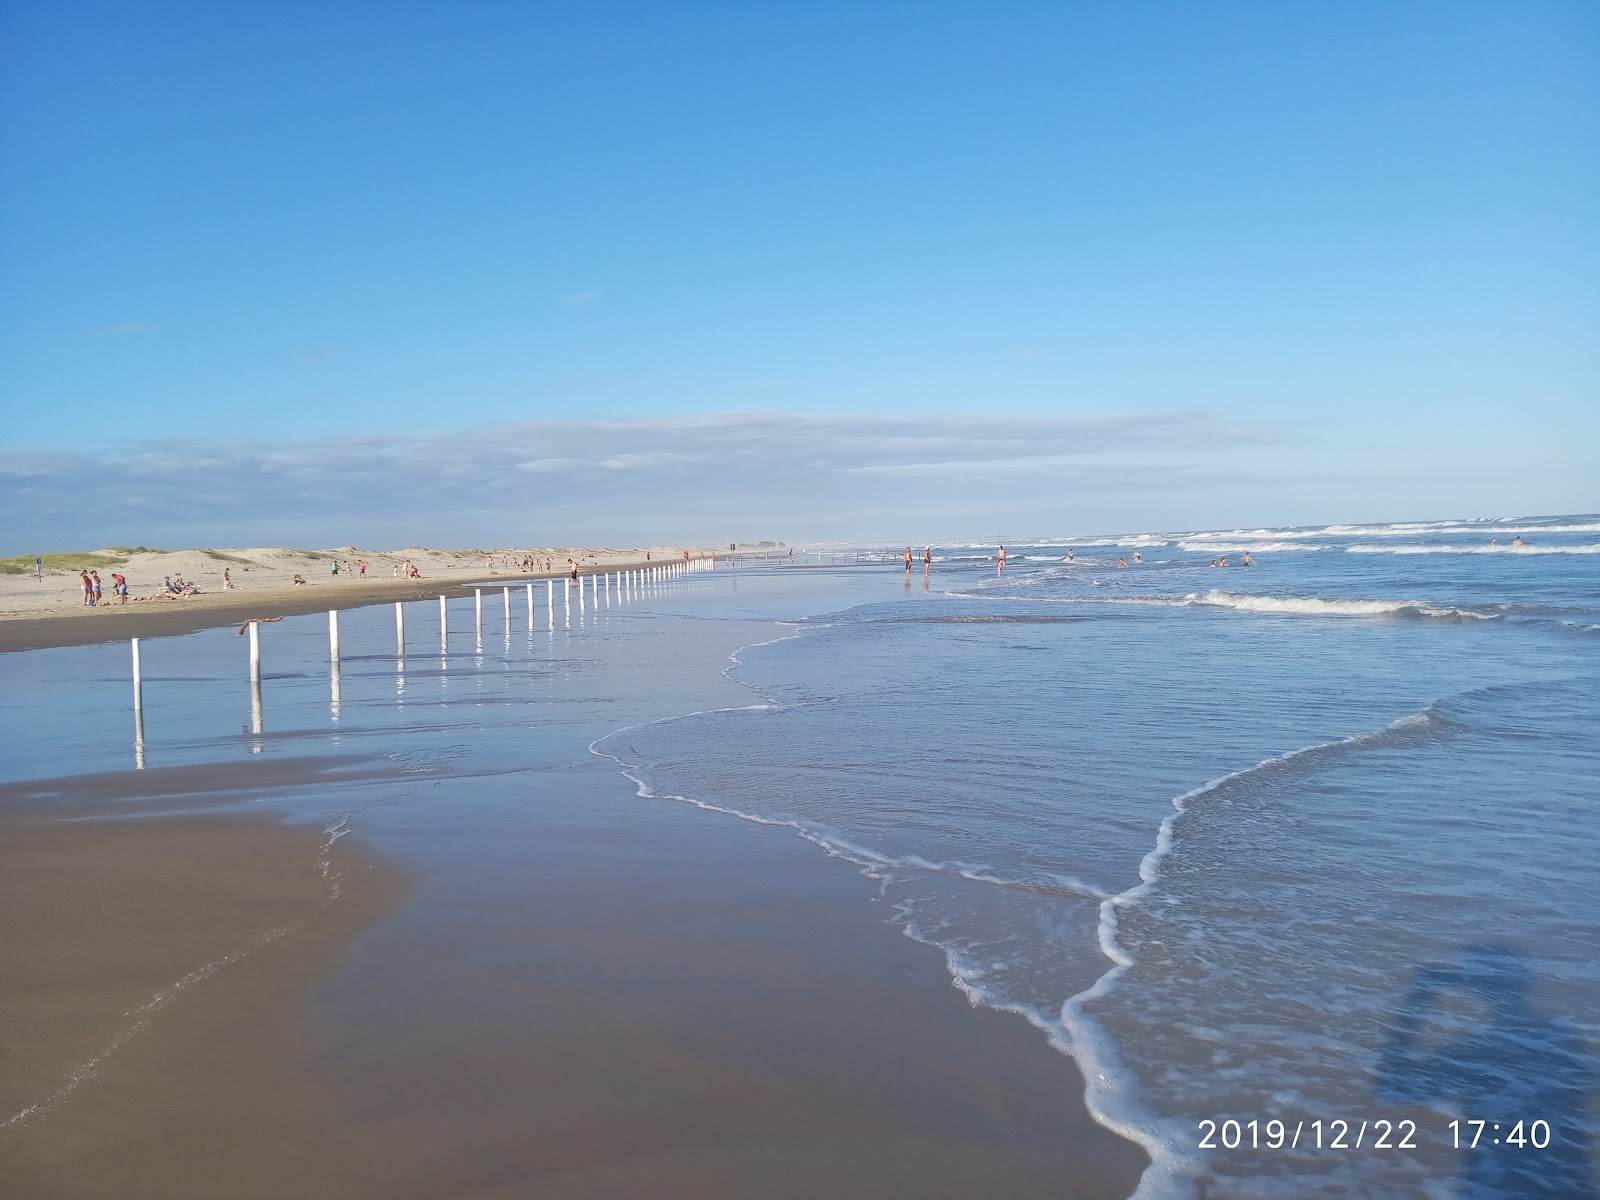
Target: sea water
{"points": [[1297, 859]]}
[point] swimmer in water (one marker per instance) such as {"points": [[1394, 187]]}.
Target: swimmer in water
{"points": [[1517, 541], [1494, 541], [1069, 555], [1137, 557], [1123, 563], [1248, 561], [1000, 569], [1213, 562], [1222, 562]]}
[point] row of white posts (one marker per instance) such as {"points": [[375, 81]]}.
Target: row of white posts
{"points": [[622, 583]]}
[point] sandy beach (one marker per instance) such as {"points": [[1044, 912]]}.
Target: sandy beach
{"points": [[49, 611], [515, 976]]}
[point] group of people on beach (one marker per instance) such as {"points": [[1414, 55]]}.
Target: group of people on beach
{"points": [[90, 582], [172, 587], [527, 564]]}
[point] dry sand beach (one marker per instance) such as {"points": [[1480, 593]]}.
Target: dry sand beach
{"points": [[516, 977], [49, 611]]}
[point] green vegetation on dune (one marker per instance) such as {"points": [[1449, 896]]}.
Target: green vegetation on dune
{"points": [[22, 564]]}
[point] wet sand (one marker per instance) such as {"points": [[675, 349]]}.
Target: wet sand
{"points": [[152, 969], [664, 1003]]}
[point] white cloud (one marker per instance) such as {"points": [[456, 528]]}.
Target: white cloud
{"points": [[566, 481]]}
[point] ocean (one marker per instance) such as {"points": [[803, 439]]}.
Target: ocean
{"points": [[1295, 859]]}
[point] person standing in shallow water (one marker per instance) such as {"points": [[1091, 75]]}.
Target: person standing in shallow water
{"points": [[1000, 563], [908, 560]]}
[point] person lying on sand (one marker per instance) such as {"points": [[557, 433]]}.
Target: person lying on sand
{"points": [[299, 581]]}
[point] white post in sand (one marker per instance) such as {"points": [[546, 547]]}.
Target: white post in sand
{"points": [[333, 635], [478, 593], [255, 684], [566, 595], [550, 601], [138, 710], [399, 629], [507, 592], [530, 608], [580, 595], [444, 628]]}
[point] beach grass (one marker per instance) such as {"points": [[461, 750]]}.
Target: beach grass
{"points": [[23, 564]]}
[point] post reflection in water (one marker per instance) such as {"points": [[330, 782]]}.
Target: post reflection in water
{"points": [[255, 714], [333, 703]]}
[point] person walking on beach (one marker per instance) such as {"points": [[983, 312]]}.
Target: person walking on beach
{"points": [[227, 580], [88, 589], [94, 585], [363, 565], [335, 570]]}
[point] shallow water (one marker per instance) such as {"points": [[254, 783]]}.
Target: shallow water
{"points": [[1312, 839]]}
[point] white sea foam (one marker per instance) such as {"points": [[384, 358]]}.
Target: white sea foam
{"points": [[1485, 548], [1317, 607], [1137, 540], [1111, 1089], [1238, 547], [1497, 527]]}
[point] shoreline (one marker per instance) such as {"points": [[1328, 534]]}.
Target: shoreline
{"points": [[599, 995], [113, 622]]}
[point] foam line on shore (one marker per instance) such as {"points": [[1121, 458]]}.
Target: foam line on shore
{"points": [[1111, 1090]]}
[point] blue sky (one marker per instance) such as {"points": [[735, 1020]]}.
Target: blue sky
{"points": [[791, 270]]}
